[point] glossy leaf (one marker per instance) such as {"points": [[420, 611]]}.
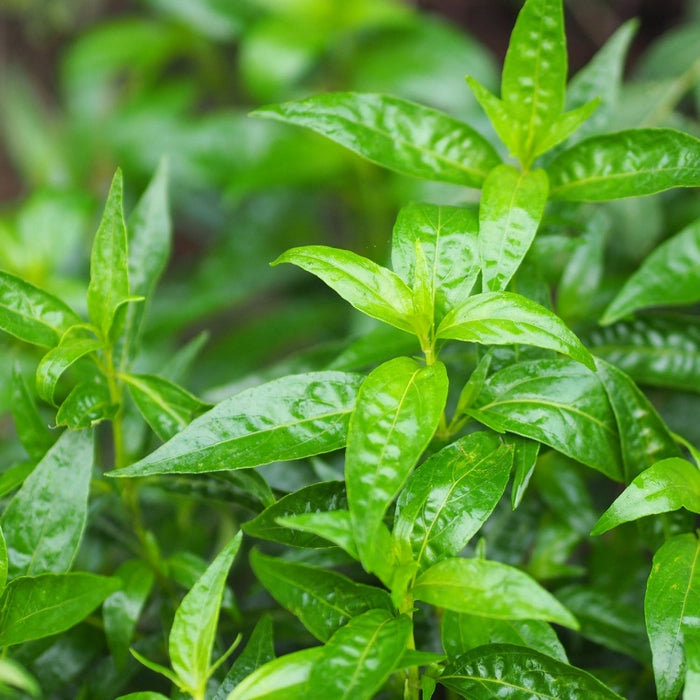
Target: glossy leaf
{"points": [[121, 610], [505, 670], [489, 589], [559, 403], [474, 384], [667, 485], [289, 418], [370, 288], [644, 437], [512, 204], [323, 600], [312, 499], [462, 632], [448, 498], [32, 431], [448, 236], [194, 627], [4, 561], [44, 521], [31, 314], [166, 406], [499, 116], [672, 596], [397, 134], [360, 656], [334, 526], [109, 264], [37, 607], [669, 276], [525, 454], [504, 318], [564, 126], [398, 409], [88, 404], [629, 163]]}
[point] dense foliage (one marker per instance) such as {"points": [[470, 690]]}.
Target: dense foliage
{"points": [[483, 484]]}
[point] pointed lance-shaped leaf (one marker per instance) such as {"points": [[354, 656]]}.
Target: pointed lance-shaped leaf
{"points": [[88, 404], [32, 431]]}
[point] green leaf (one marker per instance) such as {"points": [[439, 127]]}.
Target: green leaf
{"points": [[524, 461], [194, 627], [44, 522], [143, 695], [512, 204], [449, 497], [359, 657], [398, 409], [448, 236], [565, 125], [397, 134], [667, 485], [37, 607], [109, 263], [13, 477], [474, 384], [504, 318], [32, 431], [4, 561], [489, 589], [73, 346], [462, 632], [289, 418], [315, 498], [15, 675], [88, 404], [166, 406], [669, 276], [323, 600], [31, 314], [559, 403], [370, 288], [514, 672], [334, 526], [499, 116], [644, 437], [628, 163], [672, 596], [534, 73], [157, 668], [692, 673], [284, 678], [122, 609]]}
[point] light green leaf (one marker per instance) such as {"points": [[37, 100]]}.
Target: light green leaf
{"points": [[397, 134], [32, 431], [166, 406], [667, 485], [692, 673], [398, 409], [668, 277], [370, 288], [504, 318], [628, 163], [565, 125], [37, 607], [557, 402], [88, 404], [449, 497], [513, 672], [499, 116], [289, 418], [194, 626], [15, 675], [489, 589], [525, 454], [31, 314], [109, 263], [359, 657], [323, 600], [157, 668], [672, 596], [44, 522], [512, 204], [334, 526], [13, 476], [143, 695], [4, 561]]}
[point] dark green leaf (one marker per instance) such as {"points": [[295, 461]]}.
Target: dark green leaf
{"points": [[32, 431], [44, 521], [88, 404], [474, 384], [32, 608], [629, 163], [489, 589], [504, 318], [669, 276], [31, 314], [513, 672], [448, 498], [398, 409], [673, 595], [370, 288], [559, 403], [512, 205], [323, 600], [13, 477], [400, 135], [359, 657], [289, 418], [524, 460]]}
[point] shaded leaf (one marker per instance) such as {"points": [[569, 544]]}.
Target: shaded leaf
{"points": [[334, 526], [88, 404], [525, 454], [32, 431]]}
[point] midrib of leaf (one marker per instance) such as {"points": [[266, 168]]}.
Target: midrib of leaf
{"points": [[44, 610], [509, 218], [533, 111], [496, 681], [40, 321]]}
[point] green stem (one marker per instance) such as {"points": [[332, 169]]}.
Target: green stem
{"points": [[411, 690]]}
